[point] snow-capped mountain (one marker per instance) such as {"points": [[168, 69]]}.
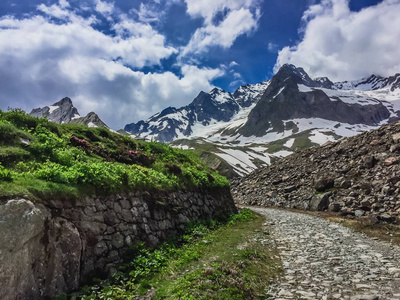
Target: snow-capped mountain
{"points": [[64, 111], [238, 132], [196, 119], [60, 112]]}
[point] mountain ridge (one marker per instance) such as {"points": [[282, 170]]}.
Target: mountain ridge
{"points": [[63, 111], [272, 119]]}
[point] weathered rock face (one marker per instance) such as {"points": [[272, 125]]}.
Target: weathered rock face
{"points": [[48, 249], [357, 176], [91, 120], [64, 111], [284, 101], [60, 112]]}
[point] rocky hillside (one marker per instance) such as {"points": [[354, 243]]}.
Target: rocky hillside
{"points": [[64, 111], [357, 176], [260, 123]]}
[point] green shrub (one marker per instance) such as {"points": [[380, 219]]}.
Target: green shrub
{"points": [[5, 175], [10, 134]]}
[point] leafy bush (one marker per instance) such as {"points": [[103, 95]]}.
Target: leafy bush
{"points": [[11, 135], [5, 175]]}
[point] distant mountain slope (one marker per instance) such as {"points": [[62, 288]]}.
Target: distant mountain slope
{"points": [[260, 122], [64, 111], [195, 119], [293, 95], [90, 120]]}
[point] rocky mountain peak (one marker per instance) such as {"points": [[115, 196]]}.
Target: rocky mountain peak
{"points": [[90, 120], [292, 94], [62, 111], [216, 91], [64, 102], [288, 71]]}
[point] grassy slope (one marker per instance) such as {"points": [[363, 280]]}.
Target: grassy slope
{"points": [[40, 159]]}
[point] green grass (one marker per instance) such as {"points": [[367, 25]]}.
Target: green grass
{"points": [[217, 259], [233, 264], [302, 141], [38, 157]]}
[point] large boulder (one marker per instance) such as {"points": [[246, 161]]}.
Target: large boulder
{"points": [[320, 202]]}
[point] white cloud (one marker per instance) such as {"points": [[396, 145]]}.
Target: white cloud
{"points": [[224, 21], [64, 3], [236, 23], [104, 7], [344, 45], [148, 13], [272, 47], [42, 61], [57, 11], [207, 9], [233, 64]]}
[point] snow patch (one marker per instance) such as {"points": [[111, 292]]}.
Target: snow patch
{"points": [[303, 88], [289, 143], [282, 153], [318, 137], [76, 116], [280, 91], [52, 108], [223, 98]]}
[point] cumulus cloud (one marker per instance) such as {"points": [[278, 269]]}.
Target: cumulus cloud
{"points": [[104, 7], [343, 44], [43, 60], [148, 12], [207, 9], [56, 10], [224, 22]]}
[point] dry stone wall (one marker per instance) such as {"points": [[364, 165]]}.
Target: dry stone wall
{"points": [[48, 249]]}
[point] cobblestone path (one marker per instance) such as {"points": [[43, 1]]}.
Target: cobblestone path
{"points": [[324, 260]]}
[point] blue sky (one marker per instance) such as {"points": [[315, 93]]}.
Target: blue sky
{"points": [[127, 60]]}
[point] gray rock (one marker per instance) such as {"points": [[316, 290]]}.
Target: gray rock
{"points": [[22, 227], [289, 188], [365, 204], [335, 206], [358, 213], [118, 240], [324, 184], [320, 202]]}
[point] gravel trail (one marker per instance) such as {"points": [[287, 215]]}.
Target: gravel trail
{"points": [[324, 260]]}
